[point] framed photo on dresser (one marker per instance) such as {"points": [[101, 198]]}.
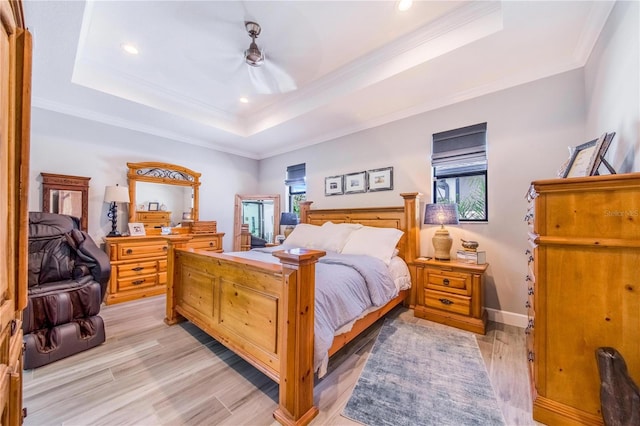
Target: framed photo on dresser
{"points": [[580, 163]]}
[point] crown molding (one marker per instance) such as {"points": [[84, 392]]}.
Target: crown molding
{"points": [[597, 18], [525, 77], [457, 28], [110, 120]]}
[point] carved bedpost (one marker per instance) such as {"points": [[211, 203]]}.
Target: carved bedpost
{"points": [[174, 242], [305, 206], [296, 354], [412, 220]]}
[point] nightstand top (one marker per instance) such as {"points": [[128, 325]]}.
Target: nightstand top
{"points": [[453, 263]]}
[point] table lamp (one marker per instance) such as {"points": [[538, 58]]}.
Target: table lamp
{"points": [[115, 194], [290, 220], [441, 214]]}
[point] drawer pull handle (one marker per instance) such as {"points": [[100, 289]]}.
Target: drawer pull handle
{"points": [[129, 251], [137, 268], [137, 282], [211, 244], [446, 301], [445, 281], [165, 248]]}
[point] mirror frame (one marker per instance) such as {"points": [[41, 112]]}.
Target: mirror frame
{"points": [[56, 182], [165, 173], [237, 216]]}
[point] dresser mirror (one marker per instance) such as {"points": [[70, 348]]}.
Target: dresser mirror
{"points": [[162, 194], [261, 213], [65, 194]]}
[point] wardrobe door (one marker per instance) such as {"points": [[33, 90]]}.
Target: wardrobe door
{"points": [[15, 80]]}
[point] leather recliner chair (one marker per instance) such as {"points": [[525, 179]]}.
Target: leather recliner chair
{"points": [[68, 275]]}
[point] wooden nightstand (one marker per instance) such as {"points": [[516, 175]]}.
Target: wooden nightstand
{"points": [[451, 293]]}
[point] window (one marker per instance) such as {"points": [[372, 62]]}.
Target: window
{"points": [[296, 183], [459, 160]]}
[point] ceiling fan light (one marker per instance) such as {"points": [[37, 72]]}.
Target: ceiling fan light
{"points": [[254, 56]]}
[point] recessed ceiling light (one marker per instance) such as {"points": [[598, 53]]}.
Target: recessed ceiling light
{"points": [[244, 100], [129, 48], [404, 5]]}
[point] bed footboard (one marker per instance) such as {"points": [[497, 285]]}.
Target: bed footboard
{"points": [[263, 312]]}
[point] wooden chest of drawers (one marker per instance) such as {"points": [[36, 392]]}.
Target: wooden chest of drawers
{"points": [[139, 264], [451, 293], [583, 290]]}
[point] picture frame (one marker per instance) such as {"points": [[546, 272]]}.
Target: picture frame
{"points": [[355, 182], [334, 185], [600, 151], [136, 229], [581, 161], [380, 179], [154, 206]]}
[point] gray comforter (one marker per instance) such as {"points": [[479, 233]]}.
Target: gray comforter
{"points": [[346, 287]]}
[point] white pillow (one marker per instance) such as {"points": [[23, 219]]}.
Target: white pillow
{"points": [[399, 271], [376, 242], [304, 235], [335, 235]]}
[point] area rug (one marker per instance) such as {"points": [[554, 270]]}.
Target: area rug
{"points": [[423, 375]]}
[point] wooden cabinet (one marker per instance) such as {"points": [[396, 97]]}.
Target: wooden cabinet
{"points": [[15, 108], [154, 219], [451, 293], [139, 264], [584, 290]]}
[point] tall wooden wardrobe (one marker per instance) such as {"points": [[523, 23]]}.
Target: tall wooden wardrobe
{"points": [[584, 290], [15, 93]]}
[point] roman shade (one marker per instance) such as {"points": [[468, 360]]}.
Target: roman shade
{"points": [[460, 151]]}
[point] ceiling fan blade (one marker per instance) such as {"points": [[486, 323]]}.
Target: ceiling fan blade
{"points": [[270, 78]]}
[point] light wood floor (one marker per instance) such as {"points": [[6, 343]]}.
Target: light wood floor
{"points": [[148, 373]]}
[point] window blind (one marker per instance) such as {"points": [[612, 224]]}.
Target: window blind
{"points": [[460, 151], [296, 175]]}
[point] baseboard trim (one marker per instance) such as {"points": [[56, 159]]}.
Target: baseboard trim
{"points": [[508, 318]]}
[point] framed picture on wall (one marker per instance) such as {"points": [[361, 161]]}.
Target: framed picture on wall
{"points": [[334, 185], [380, 179], [355, 182]]}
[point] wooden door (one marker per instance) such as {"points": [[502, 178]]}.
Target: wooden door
{"points": [[15, 82]]}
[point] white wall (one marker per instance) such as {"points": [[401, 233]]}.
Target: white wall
{"points": [[612, 84], [529, 130], [64, 145]]}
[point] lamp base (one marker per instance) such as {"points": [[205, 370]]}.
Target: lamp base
{"points": [[288, 230], [442, 243], [114, 234]]}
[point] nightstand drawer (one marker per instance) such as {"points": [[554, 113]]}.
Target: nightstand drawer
{"points": [[453, 282], [447, 302]]}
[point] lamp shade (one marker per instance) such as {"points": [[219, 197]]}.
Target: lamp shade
{"points": [[116, 194], [441, 214], [288, 218]]}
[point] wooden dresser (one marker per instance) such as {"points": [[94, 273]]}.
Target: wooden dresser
{"points": [[451, 293], [139, 264], [584, 290]]}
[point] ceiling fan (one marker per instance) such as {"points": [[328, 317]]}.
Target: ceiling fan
{"points": [[266, 76]]}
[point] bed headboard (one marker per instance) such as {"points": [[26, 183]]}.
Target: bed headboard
{"points": [[406, 218]]}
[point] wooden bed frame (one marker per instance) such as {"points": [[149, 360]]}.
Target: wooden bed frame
{"points": [[265, 312]]}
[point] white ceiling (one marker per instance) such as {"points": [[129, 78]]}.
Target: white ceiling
{"points": [[352, 65]]}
